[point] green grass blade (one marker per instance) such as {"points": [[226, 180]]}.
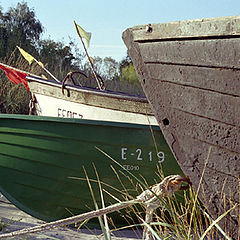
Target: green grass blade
{"points": [[216, 221], [151, 229], [197, 193], [143, 184], [96, 205], [217, 226], [108, 235], [132, 175]]}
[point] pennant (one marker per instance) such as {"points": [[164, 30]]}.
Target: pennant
{"points": [[40, 64], [83, 34], [15, 76], [91, 59], [26, 55], [43, 77]]}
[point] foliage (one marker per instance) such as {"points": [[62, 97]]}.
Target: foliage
{"points": [[57, 57], [110, 68], [124, 63], [16, 100], [20, 27], [129, 74], [13, 98], [107, 68]]}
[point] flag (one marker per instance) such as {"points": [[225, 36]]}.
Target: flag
{"points": [[26, 55], [40, 64], [15, 75], [29, 57], [91, 59], [83, 34], [43, 77]]}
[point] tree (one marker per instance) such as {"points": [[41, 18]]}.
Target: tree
{"points": [[3, 41], [110, 69], [23, 23], [124, 63], [129, 74], [57, 57], [19, 26], [107, 68]]}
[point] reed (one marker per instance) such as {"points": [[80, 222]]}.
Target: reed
{"points": [[15, 98], [2, 224], [187, 219]]}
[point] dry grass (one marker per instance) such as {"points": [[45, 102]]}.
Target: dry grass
{"points": [[15, 98], [175, 219]]}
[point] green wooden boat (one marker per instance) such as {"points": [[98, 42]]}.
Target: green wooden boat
{"points": [[39, 155]]}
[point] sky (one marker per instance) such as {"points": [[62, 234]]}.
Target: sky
{"points": [[107, 19]]}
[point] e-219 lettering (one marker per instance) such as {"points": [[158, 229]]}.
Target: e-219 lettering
{"points": [[138, 154]]}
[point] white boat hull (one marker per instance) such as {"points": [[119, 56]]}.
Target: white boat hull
{"points": [[88, 103], [53, 107]]}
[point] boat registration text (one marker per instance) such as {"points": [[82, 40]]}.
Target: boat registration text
{"points": [[139, 155]]}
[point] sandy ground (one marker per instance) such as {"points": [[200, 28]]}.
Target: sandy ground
{"points": [[13, 219]]}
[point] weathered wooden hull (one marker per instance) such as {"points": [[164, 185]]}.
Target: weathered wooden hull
{"points": [[38, 155], [190, 73]]}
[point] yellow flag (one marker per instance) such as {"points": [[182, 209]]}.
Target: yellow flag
{"points": [[26, 55], [83, 34], [43, 76], [41, 64], [91, 59]]}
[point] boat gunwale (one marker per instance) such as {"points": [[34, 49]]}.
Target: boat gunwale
{"points": [[107, 93], [89, 90], [77, 121], [187, 29]]}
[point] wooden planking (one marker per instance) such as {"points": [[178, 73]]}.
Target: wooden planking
{"points": [[193, 124], [200, 102], [190, 137], [212, 27], [226, 81], [196, 108], [194, 135], [206, 130], [215, 53], [221, 163], [220, 183]]}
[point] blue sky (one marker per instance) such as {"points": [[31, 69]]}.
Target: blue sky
{"points": [[107, 19]]}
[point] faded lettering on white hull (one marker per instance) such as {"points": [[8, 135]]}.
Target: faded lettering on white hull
{"points": [[55, 107]]}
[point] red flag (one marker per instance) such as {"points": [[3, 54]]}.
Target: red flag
{"points": [[15, 75]]}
